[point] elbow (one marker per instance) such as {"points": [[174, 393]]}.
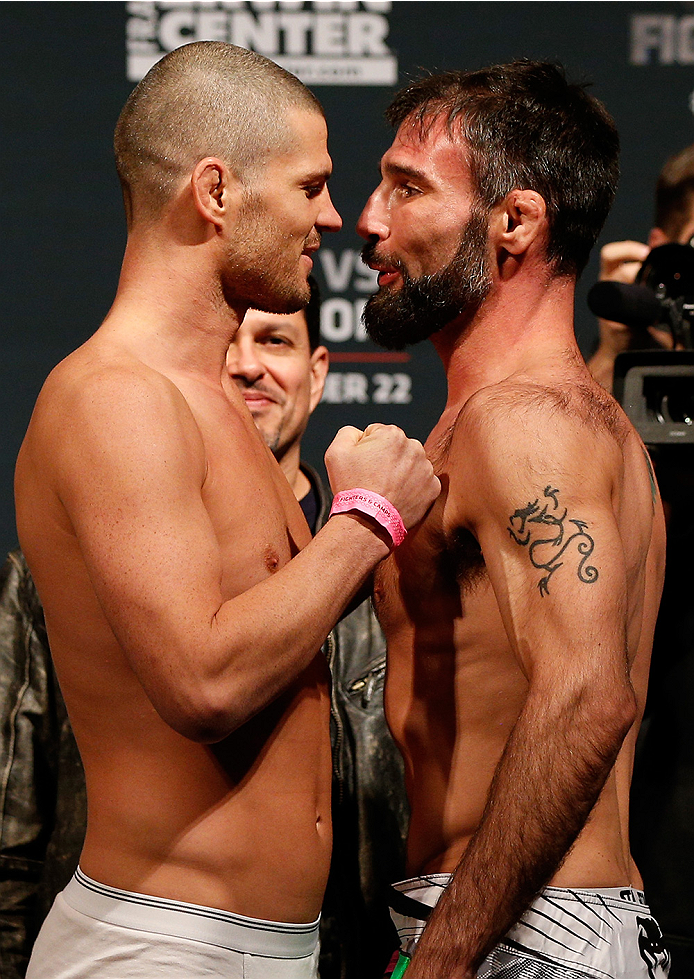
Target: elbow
{"points": [[631, 709], [203, 730], [201, 717], [626, 711], [610, 717], [622, 707]]}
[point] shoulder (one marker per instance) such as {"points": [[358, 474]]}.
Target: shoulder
{"points": [[523, 416], [93, 379], [519, 435], [97, 410], [93, 384]]}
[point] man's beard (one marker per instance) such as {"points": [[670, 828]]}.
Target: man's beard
{"points": [[396, 318]]}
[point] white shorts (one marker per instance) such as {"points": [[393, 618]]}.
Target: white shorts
{"points": [[97, 931], [566, 933]]}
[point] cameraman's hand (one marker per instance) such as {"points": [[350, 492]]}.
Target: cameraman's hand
{"points": [[384, 460], [620, 261]]}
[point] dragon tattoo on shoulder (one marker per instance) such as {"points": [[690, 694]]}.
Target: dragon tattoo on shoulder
{"points": [[545, 529]]}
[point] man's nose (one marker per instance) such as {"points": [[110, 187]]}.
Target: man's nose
{"points": [[243, 361], [371, 223], [328, 218]]}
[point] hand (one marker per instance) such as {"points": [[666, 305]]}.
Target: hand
{"points": [[384, 460], [437, 967], [620, 261]]}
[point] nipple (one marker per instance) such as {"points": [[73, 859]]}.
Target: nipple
{"points": [[272, 559]]}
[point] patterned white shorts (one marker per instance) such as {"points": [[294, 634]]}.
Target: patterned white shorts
{"points": [[566, 933]]}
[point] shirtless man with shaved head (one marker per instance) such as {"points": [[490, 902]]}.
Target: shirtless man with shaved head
{"points": [[519, 616], [185, 602]]}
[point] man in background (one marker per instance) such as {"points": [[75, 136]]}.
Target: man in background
{"points": [[620, 261], [280, 367]]}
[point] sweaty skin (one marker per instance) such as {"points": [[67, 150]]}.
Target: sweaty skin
{"points": [[185, 602]]}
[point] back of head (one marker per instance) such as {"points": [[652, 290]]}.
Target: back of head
{"points": [[204, 99], [524, 126], [674, 194]]}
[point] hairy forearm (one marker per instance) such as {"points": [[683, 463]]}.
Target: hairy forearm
{"points": [[547, 782]]}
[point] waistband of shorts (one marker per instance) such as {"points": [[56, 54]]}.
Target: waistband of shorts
{"points": [[626, 898], [429, 888], [162, 916]]}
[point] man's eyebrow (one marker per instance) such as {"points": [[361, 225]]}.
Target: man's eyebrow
{"points": [[403, 170], [318, 176]]}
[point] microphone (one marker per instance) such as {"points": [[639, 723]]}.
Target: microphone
{"points": [[634, 305]]}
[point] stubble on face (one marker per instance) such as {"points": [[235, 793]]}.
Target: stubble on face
{"points": [[420, 307], [269, 428], [260, 272]]}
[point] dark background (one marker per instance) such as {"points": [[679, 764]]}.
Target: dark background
{"points": [[64, 80]]}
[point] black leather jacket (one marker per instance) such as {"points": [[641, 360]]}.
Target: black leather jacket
{"points": [[43, 800], [43, 811], [370, 810]]}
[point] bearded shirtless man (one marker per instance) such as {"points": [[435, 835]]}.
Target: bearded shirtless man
{"points": [[185, 602], [520, 615]]}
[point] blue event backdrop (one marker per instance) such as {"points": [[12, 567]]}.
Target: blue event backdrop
{"points": [[67, 68]]}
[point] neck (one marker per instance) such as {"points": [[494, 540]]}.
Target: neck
{"points": [[523, 327], [290, 464], [170, 307]]}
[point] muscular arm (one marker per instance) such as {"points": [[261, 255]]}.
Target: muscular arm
{"points": [[213, 637], [565, 617]]}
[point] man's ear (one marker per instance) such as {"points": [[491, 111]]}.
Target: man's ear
{"points": [[521, 219], [215, 190], [319, 372]]}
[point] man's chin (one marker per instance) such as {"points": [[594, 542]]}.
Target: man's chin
{"points": [[269, 435], [392, 324], [285, 306], [285, 299]]}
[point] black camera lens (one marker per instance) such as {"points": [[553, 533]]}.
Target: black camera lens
{"points": [[670, 399], [669, 271]]}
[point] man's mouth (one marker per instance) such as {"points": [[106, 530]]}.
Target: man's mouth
{"points": [[312, 244], [256, 400], [388, 270], [386, 276]]}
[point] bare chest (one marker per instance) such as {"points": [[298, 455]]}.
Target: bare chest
{"points": [[256, 520], [433, 577], [449, 657]]}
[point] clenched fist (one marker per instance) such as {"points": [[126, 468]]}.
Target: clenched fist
{"points": [[384, 460]]}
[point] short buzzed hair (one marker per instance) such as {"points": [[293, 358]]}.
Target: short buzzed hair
{"points": [[203, 99], [674, 194]]}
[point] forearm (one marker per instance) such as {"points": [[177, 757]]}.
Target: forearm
{"points": [[254, 645], [545, 786]]}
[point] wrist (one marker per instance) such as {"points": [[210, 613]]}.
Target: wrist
{"points": [[373, 506]]}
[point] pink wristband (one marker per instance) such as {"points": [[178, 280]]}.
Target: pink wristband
{"points": [[374, 506]]}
